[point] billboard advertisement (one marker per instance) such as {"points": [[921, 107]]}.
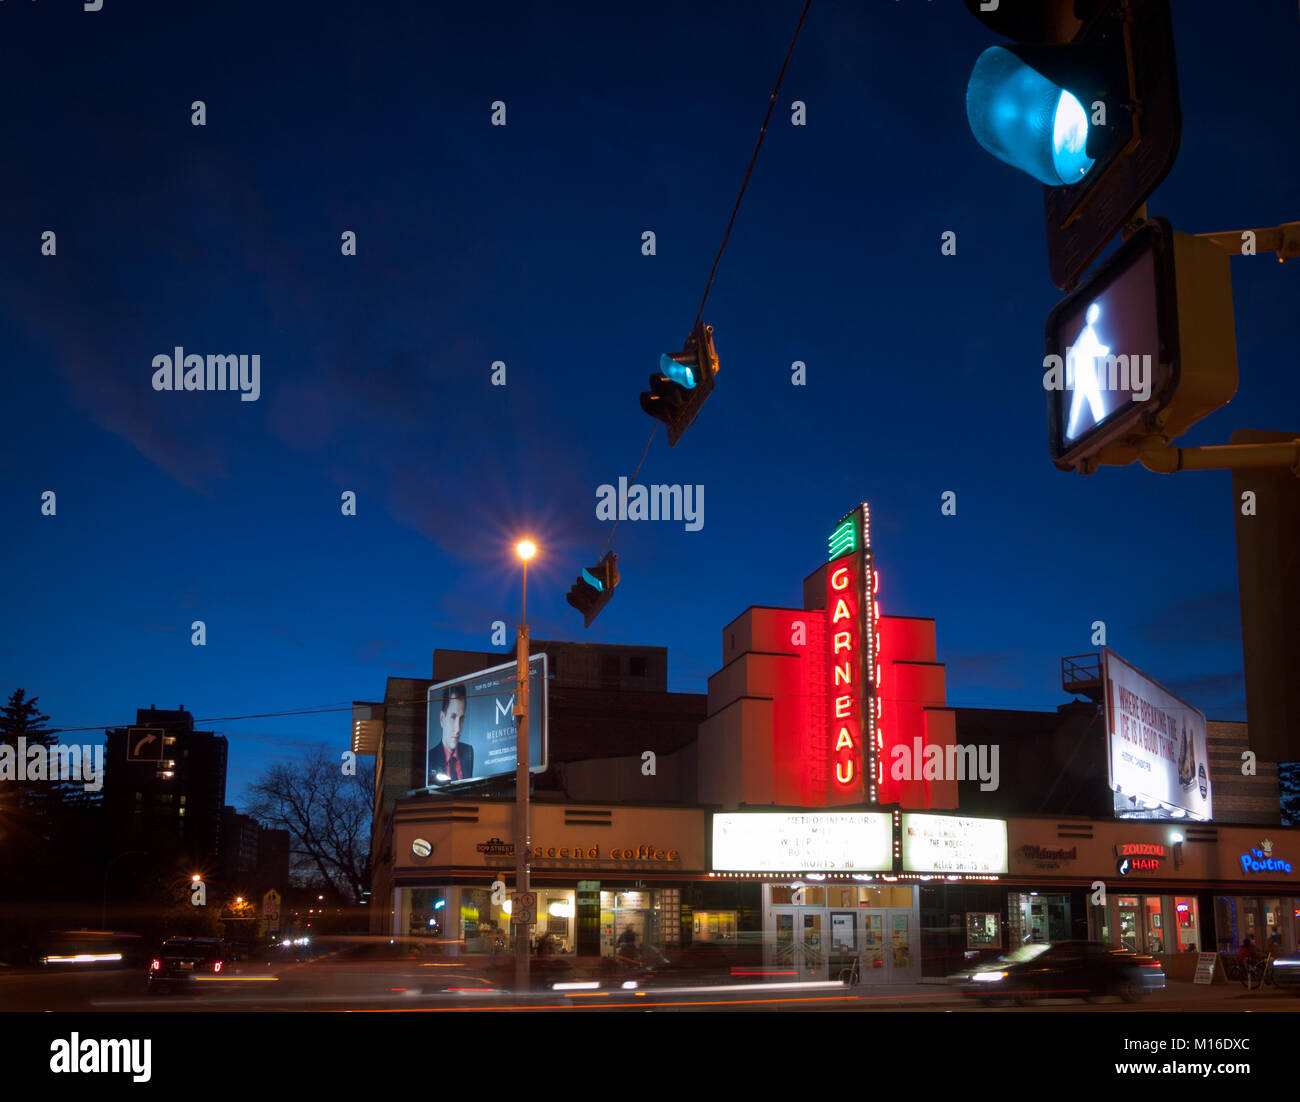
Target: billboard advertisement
{"points": [[471, 725], [761, 841], [953, 844], [1156, 745]]}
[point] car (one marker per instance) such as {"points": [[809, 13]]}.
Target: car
{"points": [[1286, 971], [974, 960], [1066, 970], [183, 961]]}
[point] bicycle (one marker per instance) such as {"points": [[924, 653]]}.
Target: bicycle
{"points": [[852, 976], [1257, 973]]}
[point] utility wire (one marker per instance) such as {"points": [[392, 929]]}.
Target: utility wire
{"points": [[771, 103], [327, 709], [763, 130]]}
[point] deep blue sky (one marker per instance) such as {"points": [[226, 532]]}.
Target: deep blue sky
{"points": [[479, 243]]}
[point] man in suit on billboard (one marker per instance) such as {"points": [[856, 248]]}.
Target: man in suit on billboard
{"points": [[451, 757]]}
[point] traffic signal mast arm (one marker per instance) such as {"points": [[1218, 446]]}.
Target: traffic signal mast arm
{"points": [[1283, 240], [1155, 453]]}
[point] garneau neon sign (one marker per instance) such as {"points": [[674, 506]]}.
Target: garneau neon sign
{"points": [[854, 644]]}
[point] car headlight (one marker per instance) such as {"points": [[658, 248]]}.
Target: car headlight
{"points": [[988, 977]]}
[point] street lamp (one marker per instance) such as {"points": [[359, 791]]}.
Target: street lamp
{"points": [[525, 549]]}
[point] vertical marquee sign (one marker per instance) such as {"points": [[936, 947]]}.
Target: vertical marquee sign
{"points": [[853, 669]]}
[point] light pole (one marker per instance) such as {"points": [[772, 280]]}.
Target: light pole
{"points": [[526, 549]]}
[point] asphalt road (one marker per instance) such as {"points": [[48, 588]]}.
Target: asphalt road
{"points": [[416, 987]]}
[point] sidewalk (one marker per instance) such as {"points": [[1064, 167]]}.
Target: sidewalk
{"points": [[1216, 996]]}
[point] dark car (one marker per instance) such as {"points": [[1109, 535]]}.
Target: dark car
{"points": [[183, 961], [1066, 970]]}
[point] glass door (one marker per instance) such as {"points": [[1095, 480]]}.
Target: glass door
{"points": [[782, 947], [799, 947], [875, 968], [1130, 926], [845, 942], [812, 949], [901, 959]]}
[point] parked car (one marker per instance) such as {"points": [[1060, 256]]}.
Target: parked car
{"points": [[1066, 970], [183, 960]]}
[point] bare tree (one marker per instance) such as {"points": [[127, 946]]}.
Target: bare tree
{"points": [[327, 813]]}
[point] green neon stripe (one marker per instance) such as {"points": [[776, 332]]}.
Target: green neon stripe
{"points": [[844, 538]]}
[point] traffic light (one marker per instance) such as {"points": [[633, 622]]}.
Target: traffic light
{"points": [[683, 384], [594, 587], [1086, 102], [1146, 347]]}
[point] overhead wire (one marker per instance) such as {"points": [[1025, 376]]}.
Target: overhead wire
{"points": [[726, 236]]}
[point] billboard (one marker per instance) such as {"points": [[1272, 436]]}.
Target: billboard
{"points": [[1156, 744], [953, 844], [848, 841], [471, 725]]}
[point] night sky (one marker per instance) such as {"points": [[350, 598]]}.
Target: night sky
{"points": [[522, 244]]}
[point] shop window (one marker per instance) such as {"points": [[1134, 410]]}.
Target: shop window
{"points": [[843, 897], [983, 930], [1226, 922], [478, 928], [714, 926], [1155, 925], [1186, 924], [782, 895], [425, 912]]}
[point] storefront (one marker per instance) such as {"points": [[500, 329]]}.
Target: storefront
{"points": [[1163, 888], [863, 902], [599, 873], [816, 930]]}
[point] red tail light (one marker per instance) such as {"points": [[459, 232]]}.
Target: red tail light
{"points": [[216, 966], [155, 965]]}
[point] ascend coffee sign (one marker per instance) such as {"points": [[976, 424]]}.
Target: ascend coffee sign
{"points": [[495, 847]]}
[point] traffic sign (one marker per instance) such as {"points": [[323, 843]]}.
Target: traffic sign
{"points": [[144, 743], [523, 908], [271, 911], [1146, 346]]}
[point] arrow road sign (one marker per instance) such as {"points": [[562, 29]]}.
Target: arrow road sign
{"points": [[144, 744]]}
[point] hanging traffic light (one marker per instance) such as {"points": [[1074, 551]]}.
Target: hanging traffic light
{"points": [[1086, 102], [683, 384], [594, 587], [1145, 347]]}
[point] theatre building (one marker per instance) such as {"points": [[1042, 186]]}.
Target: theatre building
{"points": [[821, 803]]}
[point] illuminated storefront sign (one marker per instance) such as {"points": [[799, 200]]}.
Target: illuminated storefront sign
{"points": [[953, 844], [1139, 857], [1261, 859], [837, 841], [496, 848], [853, 662]]}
